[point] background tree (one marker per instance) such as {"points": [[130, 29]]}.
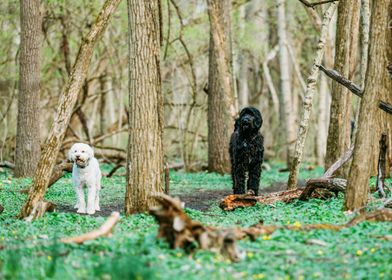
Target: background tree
{"points": [[287, 108], [338, 140], [145, 150], [221, 103], [65, 107], [377, 85], [28, 146]]}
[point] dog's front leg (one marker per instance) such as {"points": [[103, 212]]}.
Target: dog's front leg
{"points": [[81, 203], [254, 178], [97, 208], [92, 191], [239, 179]]}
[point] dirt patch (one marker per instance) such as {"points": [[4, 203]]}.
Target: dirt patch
{"points": [[106, 210], [201, 199], [198, 199]]}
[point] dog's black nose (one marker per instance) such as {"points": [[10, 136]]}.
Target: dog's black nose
{"points": [[77, 157]]}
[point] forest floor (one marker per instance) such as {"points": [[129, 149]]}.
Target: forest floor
{"points": [[32, 250]]}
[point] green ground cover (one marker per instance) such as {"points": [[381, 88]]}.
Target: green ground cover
{"points": [[31, 250]]}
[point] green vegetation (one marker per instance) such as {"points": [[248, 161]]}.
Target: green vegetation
{"points": [[31, 250]]}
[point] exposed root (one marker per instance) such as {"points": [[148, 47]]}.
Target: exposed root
{"points": [[39, 209]]}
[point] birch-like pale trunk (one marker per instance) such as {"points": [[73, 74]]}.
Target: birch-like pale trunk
{"points": [[322, 120], [310, 90], [65, 107], [286, 105]]}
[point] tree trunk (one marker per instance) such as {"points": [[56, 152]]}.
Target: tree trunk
{"points": [[28, 147], [339, 125], [377, 85], [145, 168], [221, 104], [65, 107], [308, 102], [286, 109], [322, 120]]}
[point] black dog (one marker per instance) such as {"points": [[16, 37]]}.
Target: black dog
{"points": [[247, 151]]}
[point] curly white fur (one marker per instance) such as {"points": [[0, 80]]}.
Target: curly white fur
{"points": [[85, 172]]}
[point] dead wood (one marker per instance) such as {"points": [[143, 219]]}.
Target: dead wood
{"points": [[180, 231], [339, 163], [336, 76], [59, 171], [382, 165], [1, 208], [7, 164], [39, 210], [104, 230], [234, 201], [334, 185], [119, 164]]}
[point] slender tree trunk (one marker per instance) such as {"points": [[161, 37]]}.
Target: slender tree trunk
{"points": [[243, 89], [322, 128], [339, 125], [377, 85], [310, 90], [145, 168], [221, 104], [286, 108], [65, 107], [28, 147]]}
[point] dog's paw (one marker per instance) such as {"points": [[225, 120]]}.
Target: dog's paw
{"points": [[97, 208], [91, 211], [81, 211]]}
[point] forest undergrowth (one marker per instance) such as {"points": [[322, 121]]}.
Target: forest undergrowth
{"points": [[33, 251]]}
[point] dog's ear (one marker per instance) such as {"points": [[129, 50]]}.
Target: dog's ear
{"points": [[237, 124], [258, 120], [90, 151], [70, 154]]}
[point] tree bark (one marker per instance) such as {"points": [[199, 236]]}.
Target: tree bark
{"points": [[65, 107], [286, 105], [339, 125], [310, 90], [377, 85], [221, 103], [28, 147], [145, 170]]}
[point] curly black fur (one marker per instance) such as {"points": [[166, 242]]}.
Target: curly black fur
{"points": [[247, 151]]}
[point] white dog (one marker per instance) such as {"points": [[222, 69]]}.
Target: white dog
{"points": [[85, 172]]}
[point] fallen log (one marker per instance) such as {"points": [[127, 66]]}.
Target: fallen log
{"points": [[180, 231], [234, 201], [104, 230], [334, 185]]}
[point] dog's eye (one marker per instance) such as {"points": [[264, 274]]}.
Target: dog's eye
{"points": [[75, 151], [82, 151]]}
